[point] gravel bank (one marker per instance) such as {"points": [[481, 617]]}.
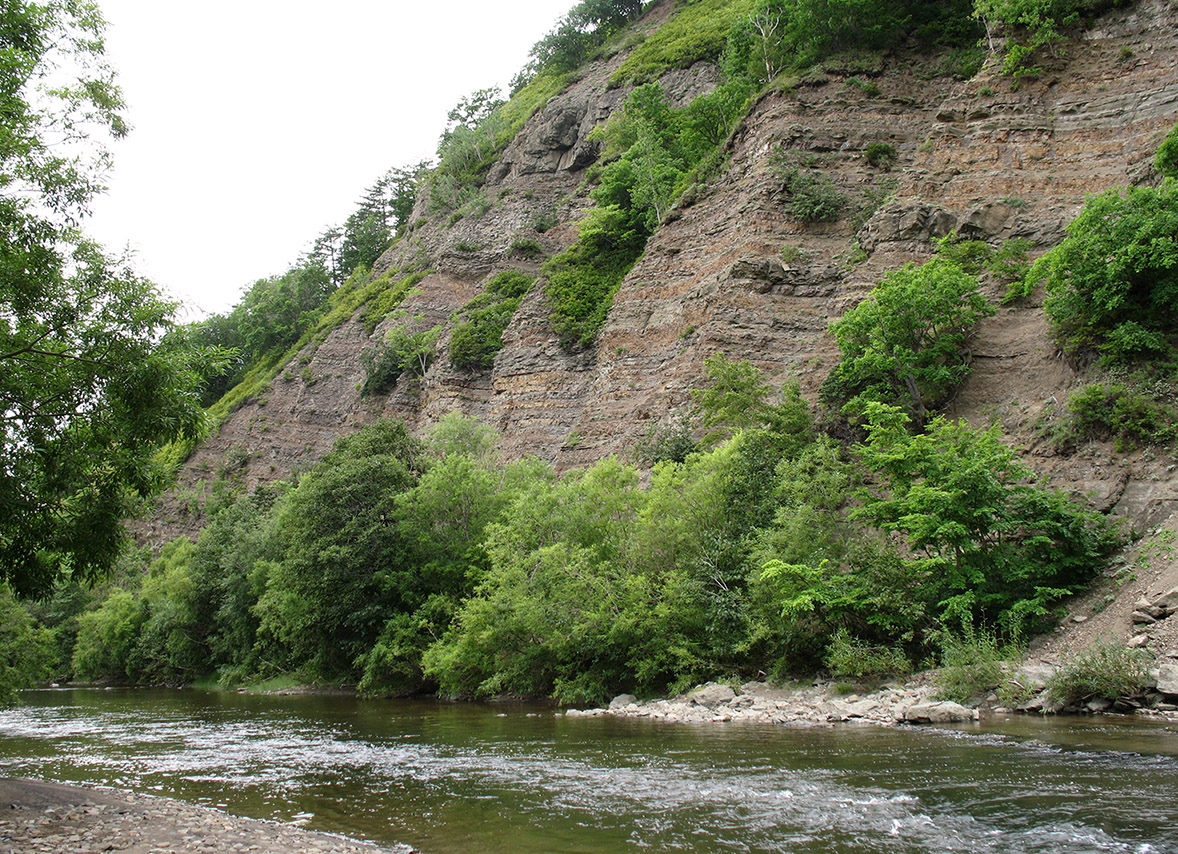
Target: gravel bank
{"points": [[42, 817]]}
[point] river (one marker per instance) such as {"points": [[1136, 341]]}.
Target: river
{"points": [[518, 778]]}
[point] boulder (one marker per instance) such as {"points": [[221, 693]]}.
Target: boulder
{"points": [[1033, 677], [621, 701], [941, 712], [1168, 678], [711, 695], [1168, 601]]}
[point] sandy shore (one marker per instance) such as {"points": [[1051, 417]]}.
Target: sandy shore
{"points": [[55, 818]]}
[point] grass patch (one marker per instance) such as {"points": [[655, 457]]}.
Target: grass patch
{"points": [[1106, 671], [698, 31]]}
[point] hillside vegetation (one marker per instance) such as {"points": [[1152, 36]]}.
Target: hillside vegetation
{"points": [[760, 525]]}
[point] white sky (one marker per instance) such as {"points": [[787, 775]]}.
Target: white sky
{"points": [[258, 123]]}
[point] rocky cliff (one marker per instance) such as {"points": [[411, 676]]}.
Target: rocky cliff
{"points": [[981, 157]]}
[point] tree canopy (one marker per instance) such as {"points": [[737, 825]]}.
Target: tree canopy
{"points": [[91, 384]]}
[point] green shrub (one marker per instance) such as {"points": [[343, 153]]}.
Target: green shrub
{"points": [[544, 221], [988, 543], [1033, 26], [849, 656], [971, 663], [811, 196], [904, 344], [1166, 160], [26, 650], [1112, 410], [1107, 670], [525, 247], [698, 31], [583, 279], [1112, 283], [671, 442], [475, 341], [403, 352], [881, 155]]}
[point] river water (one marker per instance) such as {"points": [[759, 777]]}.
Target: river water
{"points": [[516, 778]]}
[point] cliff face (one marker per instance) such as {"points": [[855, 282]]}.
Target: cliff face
{"points": [[978, 157]]}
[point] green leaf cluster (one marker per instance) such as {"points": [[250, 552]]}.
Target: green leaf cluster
{"points": [[698, 31], [404, 352], [1032, 26], [475, 341], [1112, 283], [905, 343], [651, 150], [94, 376]]}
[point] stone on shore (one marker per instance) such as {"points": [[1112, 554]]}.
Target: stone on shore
{"points": [[621, 701], [1168, 679], [942, 712], [712, 695]]}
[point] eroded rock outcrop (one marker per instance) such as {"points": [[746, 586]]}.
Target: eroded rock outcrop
{"points": [[980, 157]]}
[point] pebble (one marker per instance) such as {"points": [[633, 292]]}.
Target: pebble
{"points": [[147, 824]]}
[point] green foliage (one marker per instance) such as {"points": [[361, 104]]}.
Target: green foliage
{"points": [[343, 568], [987, 542], [881, 155], [94, 378], [1112, 284], [652, 150], [403, 353], [904, 344], [971, 663], [698, 31], [1032, 26], [480, 127], [1166, 160], [475, 341], [27, 651], [670, 442], [849, 656], [545, 620], [1107, 670], [106, 638], [576, 37], [583, 279], [776, 35], [809, 195], [1113, 410], [525, 247]]}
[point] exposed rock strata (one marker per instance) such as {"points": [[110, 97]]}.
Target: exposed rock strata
{"points": [[979, 157]]}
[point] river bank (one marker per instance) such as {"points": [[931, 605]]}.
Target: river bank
{"points": [[55, 818], [914, 701]]}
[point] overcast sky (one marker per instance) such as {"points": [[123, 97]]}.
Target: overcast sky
{"points": [[258, 123]]}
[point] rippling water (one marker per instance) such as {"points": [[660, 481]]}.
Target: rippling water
{"points": [[475, 778]]}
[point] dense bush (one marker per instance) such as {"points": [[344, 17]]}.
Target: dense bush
{"points": [[904, 344], [1108, 670], [987, 542], [651, 150], [403, 353], [1112, 283], [699, 31], [27, 651], [1166, 159], [1032, 26], [881, 155], [972, 663], [849, 656], [475, 341], [1113, 410]]}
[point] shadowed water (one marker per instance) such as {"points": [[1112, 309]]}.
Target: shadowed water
{"points": [[488, 778]]}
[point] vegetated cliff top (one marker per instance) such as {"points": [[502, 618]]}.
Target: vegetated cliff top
{"points": [[730, 267]]}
